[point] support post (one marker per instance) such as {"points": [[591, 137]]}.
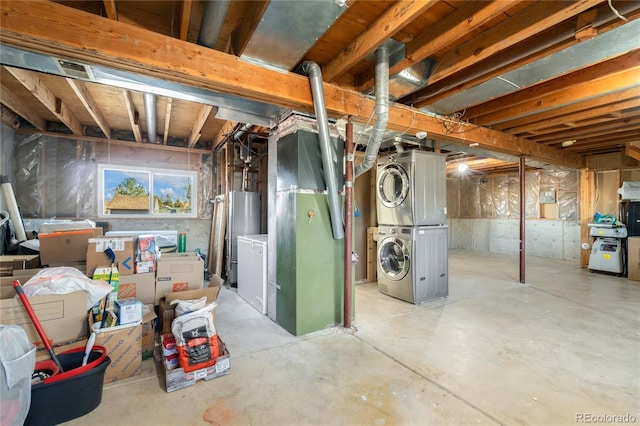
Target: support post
{"points": [[523, 215], [348, 215]]}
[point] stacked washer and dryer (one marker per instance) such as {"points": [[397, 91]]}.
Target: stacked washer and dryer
{"points": [[413, 237]]}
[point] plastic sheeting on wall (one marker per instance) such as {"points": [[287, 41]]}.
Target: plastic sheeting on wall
{"points": [[57, 177], [498, 196]]}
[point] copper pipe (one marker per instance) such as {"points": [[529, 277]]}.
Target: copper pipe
{"points": [[523, 214], [348, 215]]}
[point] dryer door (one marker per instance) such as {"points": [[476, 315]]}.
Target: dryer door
{"points": [[393, 185], [394, 257]]}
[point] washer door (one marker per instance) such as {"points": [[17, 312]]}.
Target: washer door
{"points": [[393, 185], [394, 258]]}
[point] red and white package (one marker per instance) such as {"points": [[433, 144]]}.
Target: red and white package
{"points": [[196, 339]]}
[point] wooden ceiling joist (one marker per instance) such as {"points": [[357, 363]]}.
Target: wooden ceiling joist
{"points": [[134, 117], [81, 91], [393, 20], [41, 92], [8, 98], [197, 127], [111, 9], [171, 59], [167, 121], [185, 18]]}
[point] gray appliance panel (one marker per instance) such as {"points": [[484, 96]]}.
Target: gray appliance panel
{"points": [[389, 284], [430, 263], [243, 219], [425, 203], [252, 270]]}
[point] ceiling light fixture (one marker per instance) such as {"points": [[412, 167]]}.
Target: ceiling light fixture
{"points": [[568, 143], [474, 144], [462, 167]]}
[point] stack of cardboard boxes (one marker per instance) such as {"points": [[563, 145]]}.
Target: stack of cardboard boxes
{"points": [[151, 279]]}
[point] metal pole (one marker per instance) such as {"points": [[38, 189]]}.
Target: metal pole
{"points": [[348, 196], [522, 217]]}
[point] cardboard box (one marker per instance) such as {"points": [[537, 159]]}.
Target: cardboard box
{"points": [[178, 272], [10, 264], [177, 379], [124, 348], [60, 248], [149, 333], [128, 311], [633, 258], [167, 312], [123, 248], [63, 317], [140, 286]]}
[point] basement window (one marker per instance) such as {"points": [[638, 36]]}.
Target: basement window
{"points": [[143, 192]]}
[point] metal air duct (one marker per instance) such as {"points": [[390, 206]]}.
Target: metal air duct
{"points": [[214, 14], [315, 79], [150, 114], [382, 110]]}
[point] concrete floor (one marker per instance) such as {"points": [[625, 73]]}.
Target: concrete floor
{"points": [[563, 347]]}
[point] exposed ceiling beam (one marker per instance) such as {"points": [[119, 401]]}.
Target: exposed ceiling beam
{"points": [[603, 129], [555, 85], [222, 134], [240, 36], [389, 23], [41, 92], [81, 91], [111, 9], [185, 18], [575, 93], [167, 120], [609, 98], [13, 102], [89, 39], [196, 131], [444, 33], [632, 151], [537, 18], [134, 117]]}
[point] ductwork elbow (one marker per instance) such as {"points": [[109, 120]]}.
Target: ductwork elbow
{"points": [[382, 111]]}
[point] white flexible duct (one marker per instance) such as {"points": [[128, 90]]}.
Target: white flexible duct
{"points": [[315, 79], [382, 110]]}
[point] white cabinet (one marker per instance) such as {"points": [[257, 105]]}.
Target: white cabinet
{"points": [[252, 270]]}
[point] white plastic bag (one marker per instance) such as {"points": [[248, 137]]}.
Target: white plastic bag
{"points": [[63, 280], [17, 361], [189, 305]]}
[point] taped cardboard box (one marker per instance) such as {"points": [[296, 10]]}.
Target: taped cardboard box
{"points": [[9, 264], [178, 272], [140, 286], [63, 317], [167, 311], [176, 378], [124, 348], [633, 261], [148, 334], [64, 247], [122, 247]]}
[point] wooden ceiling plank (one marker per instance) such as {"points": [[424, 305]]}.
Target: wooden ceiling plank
{"points": [[240, 36], [185, 18], [445, 32], [555, 85], [171, 59], [111, 9], [609, 98], [632, 151], [205, 110], [384, 27], [606, 129], [541, 16], [167, 120], [81, 91], [571, 119], [611, 83], [19, 107], [42, 93], [133, 115]]}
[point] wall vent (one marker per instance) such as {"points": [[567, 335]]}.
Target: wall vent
{"points": [[74, 70]]}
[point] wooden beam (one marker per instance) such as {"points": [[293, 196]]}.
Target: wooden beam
{"points": [[81, 91], [167, 120], [205, 110], [134, 118], [632, 151], [81, 36], [222, 134], [240, 36], [607, 129], [384, 27], [537, 18], [586, 200], [445, 32], [622, 80], [556, 85], [16, 105], [41, 92], [111, 9], [185, 17]]}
